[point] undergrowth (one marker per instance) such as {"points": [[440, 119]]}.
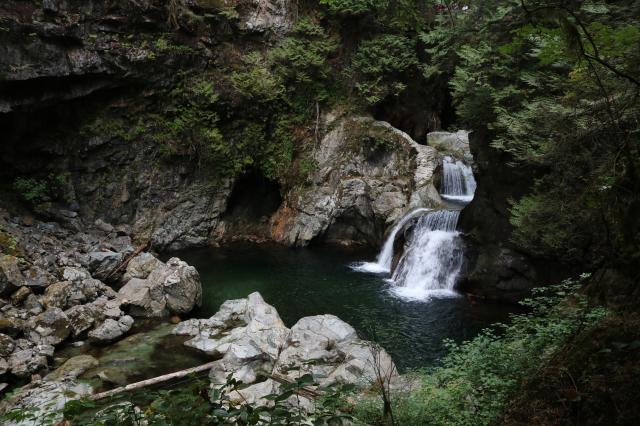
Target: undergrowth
{"points": [[478, 378]]}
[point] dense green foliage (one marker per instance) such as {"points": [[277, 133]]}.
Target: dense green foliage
{"points": [[556, 86], [479, 377], [199, 404]]}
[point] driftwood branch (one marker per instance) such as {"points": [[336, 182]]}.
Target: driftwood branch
{"points": [[154, 381]]}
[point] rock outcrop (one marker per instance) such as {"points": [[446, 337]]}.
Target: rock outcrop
{"points": [[253, 344], [368, 174]]}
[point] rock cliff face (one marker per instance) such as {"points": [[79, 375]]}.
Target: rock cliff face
{"points": [[76, 76], [368, 174], [495, 268]]}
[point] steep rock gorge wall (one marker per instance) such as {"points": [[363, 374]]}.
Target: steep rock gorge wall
{"points": [[92, 94], [495, 268]]}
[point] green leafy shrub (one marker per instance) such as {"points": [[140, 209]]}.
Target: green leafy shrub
{"points": [[198, 404], [33, 190], [353, 7], [256, 82], [378, 64], [479, 377], [303, 62]]}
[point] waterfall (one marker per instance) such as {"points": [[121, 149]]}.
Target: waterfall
{"points": [[385, 257], [433, 253], [458, 183], [433, 258]]}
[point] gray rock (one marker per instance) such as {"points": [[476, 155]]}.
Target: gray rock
{"points": [[171, 288], [111, 329], [268, 15], [253, 342], [6, 345], [20, 295], [103, 263], [50, 327], [141, 266], [37, 277], [11, 326], [27, 358], [45, 400], [103, 226], [455, 144], [368, 175], [182, 286], [82, 318]]}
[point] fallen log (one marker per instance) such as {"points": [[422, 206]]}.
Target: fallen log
{"points": [[149, 382]]}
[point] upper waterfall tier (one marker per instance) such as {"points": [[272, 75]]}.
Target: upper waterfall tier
{"points": [[458, 183]]}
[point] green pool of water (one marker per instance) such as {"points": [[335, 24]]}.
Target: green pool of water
{"points": [[312, 281]]}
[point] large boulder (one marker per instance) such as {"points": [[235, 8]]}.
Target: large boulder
{"points": [[252, 343], [141, 266], [171, 288]]}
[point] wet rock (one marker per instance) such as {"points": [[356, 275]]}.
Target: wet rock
{"points": [[171, 288], [111, 329], [73, 367], [6, 345]]}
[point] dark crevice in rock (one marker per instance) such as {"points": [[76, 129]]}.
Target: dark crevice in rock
{"points": [[43, 92], [252, 202]]}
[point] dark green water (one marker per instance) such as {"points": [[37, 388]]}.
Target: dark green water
{"points": [[303, 282]]}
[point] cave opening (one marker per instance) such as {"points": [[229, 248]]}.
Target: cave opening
{"points": [[253, 200]]}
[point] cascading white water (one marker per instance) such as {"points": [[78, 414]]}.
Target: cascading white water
{"points": [[458, 183], [385, 257], [433, 258], [433, 254]]}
